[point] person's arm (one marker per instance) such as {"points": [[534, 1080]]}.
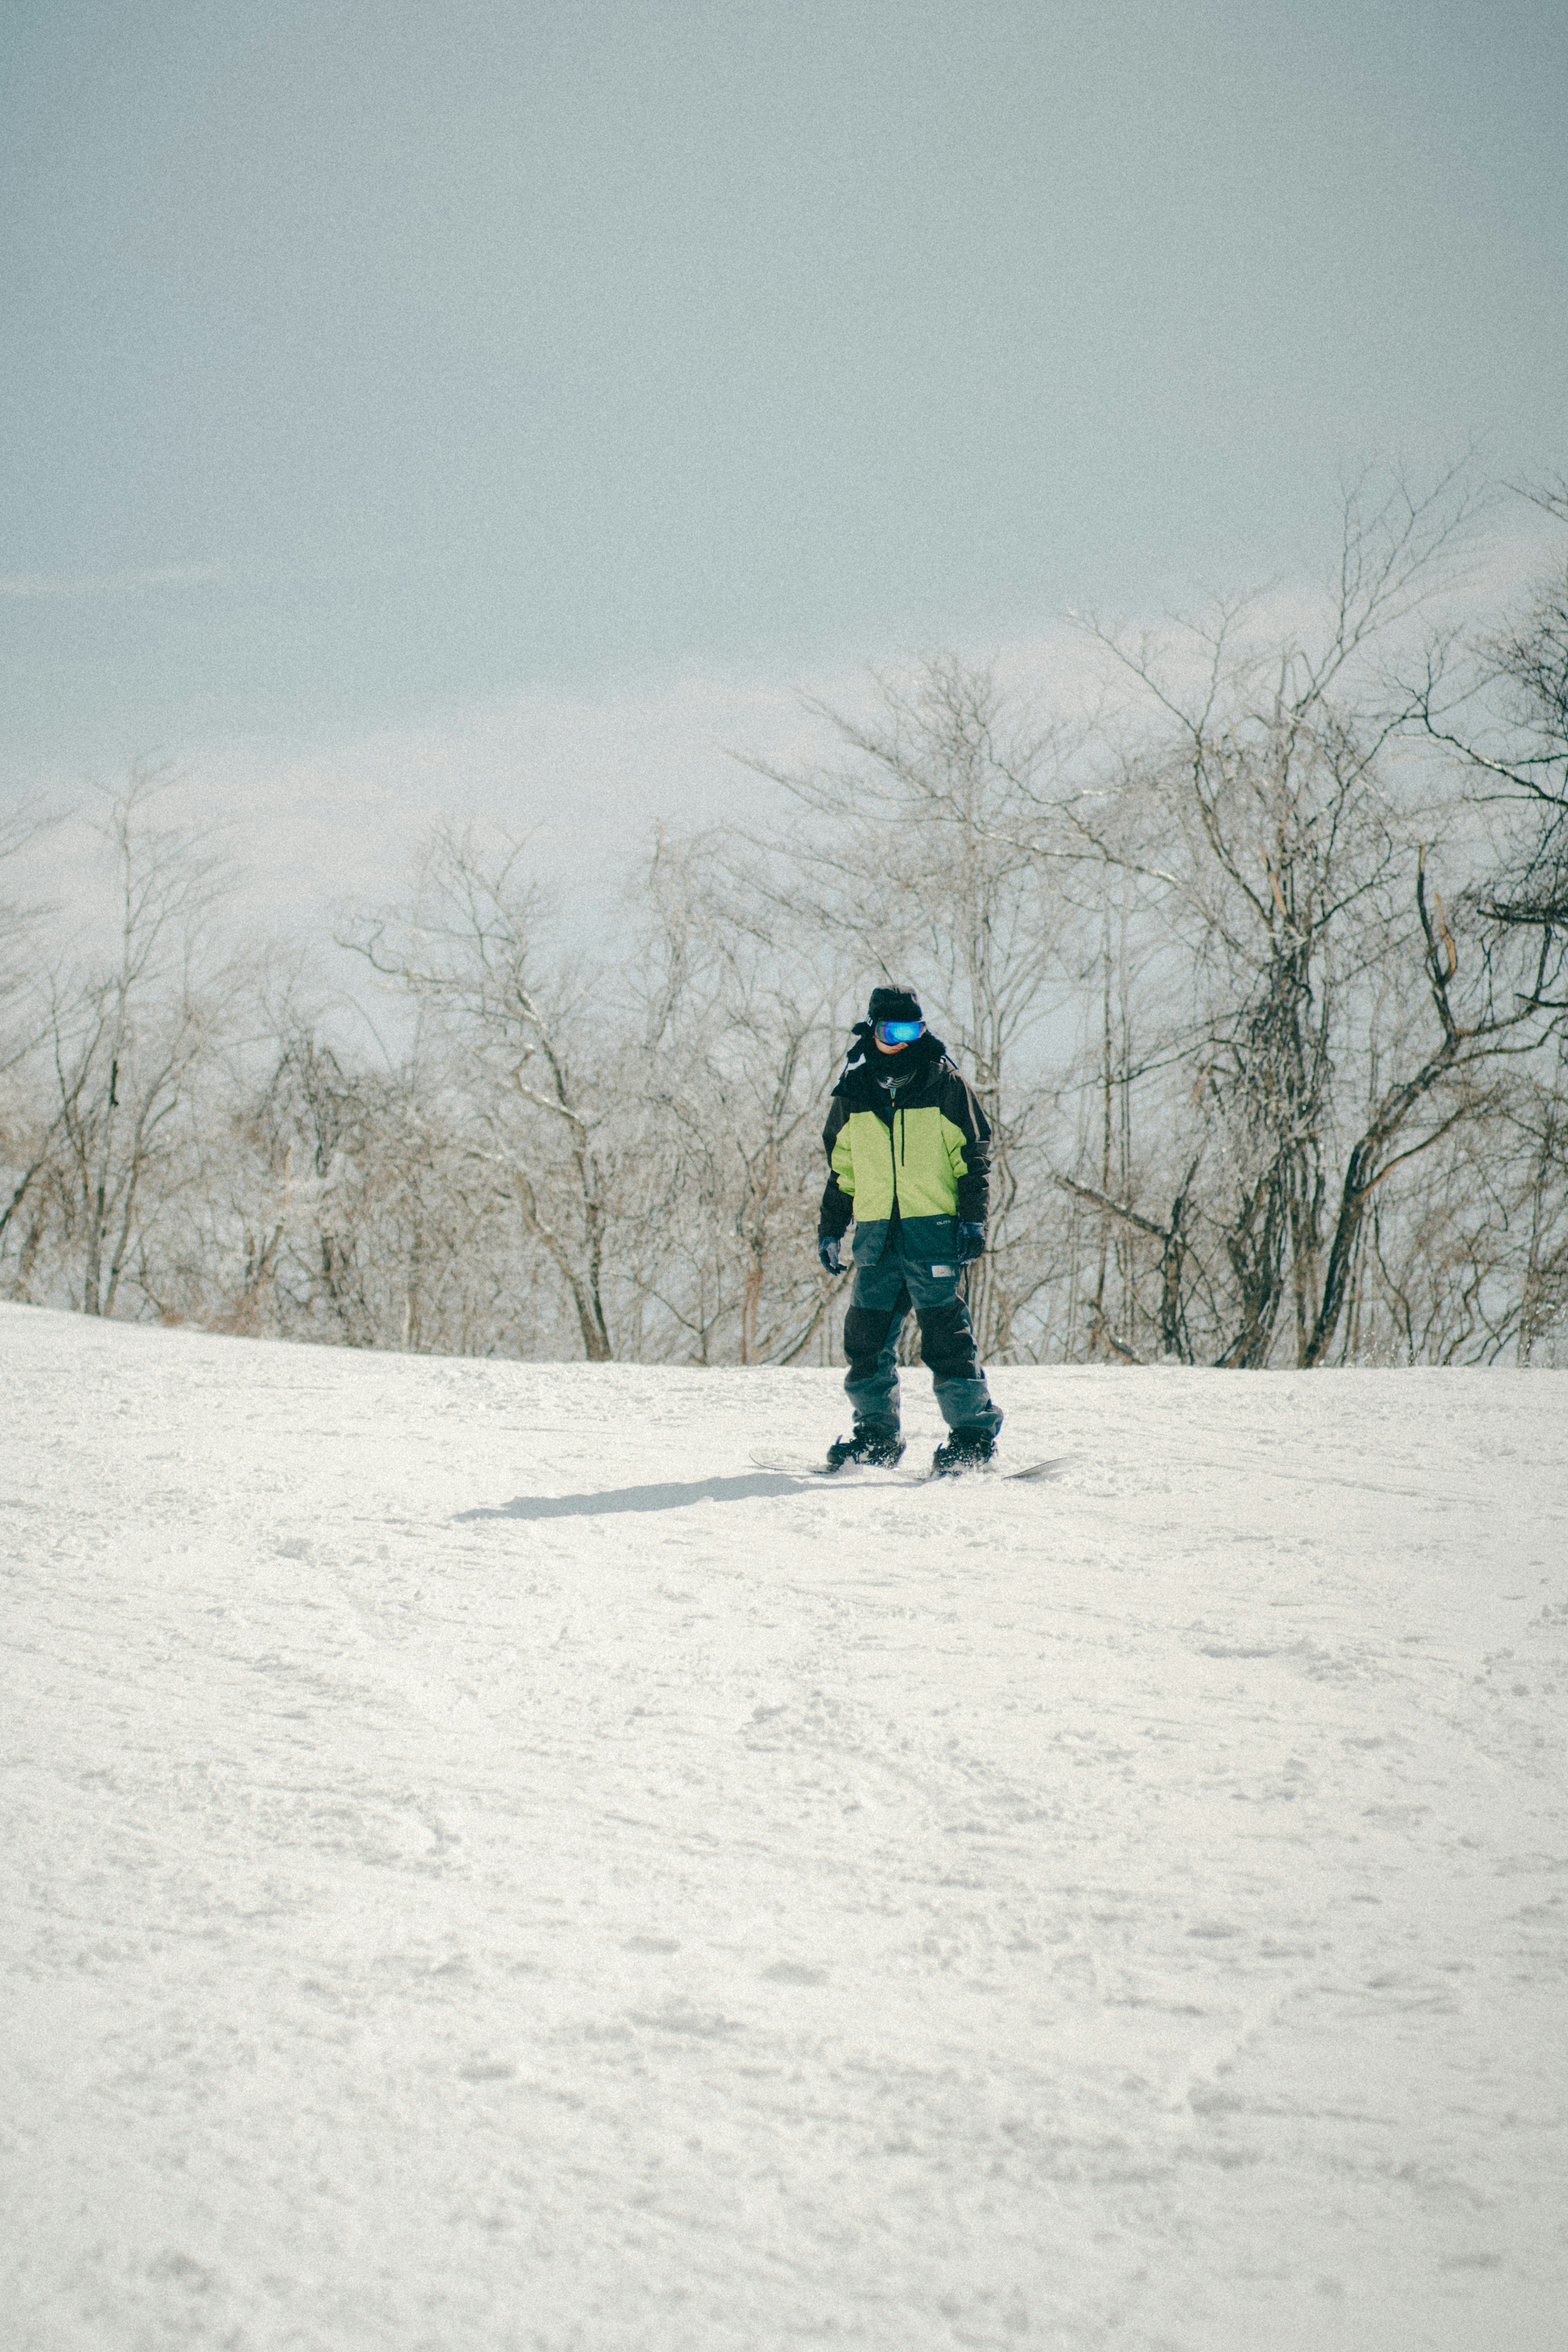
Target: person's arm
{"points": [[838, 1207], [970, 1149]]}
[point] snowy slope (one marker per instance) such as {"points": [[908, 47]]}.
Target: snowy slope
{"points": [[487, 1867]]}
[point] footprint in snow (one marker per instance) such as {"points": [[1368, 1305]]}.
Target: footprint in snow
{"points": [[703, 2026]]}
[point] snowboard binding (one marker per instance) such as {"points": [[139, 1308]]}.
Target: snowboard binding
{"points": [[971, 1448], [882, 1447]]}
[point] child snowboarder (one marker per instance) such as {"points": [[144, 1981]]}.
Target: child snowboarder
{"points": [[909, 1162]]}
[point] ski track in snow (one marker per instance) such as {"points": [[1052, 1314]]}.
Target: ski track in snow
{"points": [[487, 1867]]}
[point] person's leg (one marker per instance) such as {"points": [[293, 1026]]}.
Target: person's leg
{"points": [[947, 1346], [878, 1305]]}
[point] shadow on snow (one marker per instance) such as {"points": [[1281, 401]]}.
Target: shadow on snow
{"points": [[644, 1498]]}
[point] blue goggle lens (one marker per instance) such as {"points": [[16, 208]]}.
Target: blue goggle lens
{"points": [[899, 1032]]}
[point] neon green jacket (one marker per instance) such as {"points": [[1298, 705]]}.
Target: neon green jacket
{"points": [[914, 1156]]}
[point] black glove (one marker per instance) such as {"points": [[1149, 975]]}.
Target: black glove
{"points": [[971, 1243], [828, 1250]]}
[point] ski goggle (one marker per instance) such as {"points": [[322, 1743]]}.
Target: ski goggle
{"points": [[899, 1032]]}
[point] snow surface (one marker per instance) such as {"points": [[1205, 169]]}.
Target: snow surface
{"points": [[487, 1867]]}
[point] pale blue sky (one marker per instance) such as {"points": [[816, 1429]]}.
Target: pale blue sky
{"points": [[363, 361]]}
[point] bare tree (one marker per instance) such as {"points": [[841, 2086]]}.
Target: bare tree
{"points": [[470, 949], [356, 1211], [1477, 1024], [28, 1127], [1269, 845], [1541, 1124], [921, 853], [126, 1032], [1501, 706], [740, 1040]]}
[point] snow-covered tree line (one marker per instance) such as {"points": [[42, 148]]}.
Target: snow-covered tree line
{"points": [[1257, 967]]}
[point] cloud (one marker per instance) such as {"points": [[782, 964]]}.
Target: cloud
{"points": [[319, 822], [318, 825], [105, 583]]}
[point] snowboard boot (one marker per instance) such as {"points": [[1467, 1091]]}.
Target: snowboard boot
{"points": [[874, 1442], [973, 1447]]}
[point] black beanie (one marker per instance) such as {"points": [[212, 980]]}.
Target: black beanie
{"points": [[893, 1004]]}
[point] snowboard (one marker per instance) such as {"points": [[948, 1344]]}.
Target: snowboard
{"points": [[795, 1465]]}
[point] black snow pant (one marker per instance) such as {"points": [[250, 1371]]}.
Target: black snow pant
{"points": [[882, 1298]]}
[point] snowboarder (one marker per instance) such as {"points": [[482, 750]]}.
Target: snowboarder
{"points": [[909, 1162]]}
